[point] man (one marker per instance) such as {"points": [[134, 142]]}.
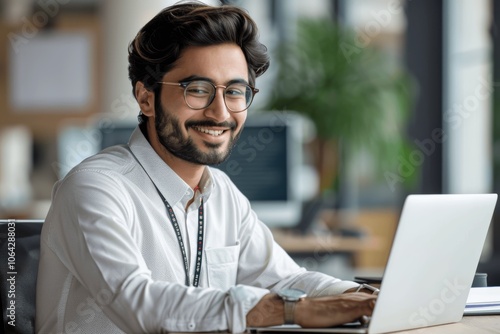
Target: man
{"points": [[146, 237]]}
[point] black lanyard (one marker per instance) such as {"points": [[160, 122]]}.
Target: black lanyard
{"points": [[175, 224], [199, 254]]}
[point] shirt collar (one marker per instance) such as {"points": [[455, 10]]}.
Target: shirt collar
{"points": [[206, 183], [172, 187]]}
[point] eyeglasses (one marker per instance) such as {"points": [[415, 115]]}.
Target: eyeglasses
{"points": [[199, 94]]}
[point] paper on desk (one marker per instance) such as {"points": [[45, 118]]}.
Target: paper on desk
{"points": [[483, 301]]}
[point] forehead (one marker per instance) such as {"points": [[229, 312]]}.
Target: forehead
{"points": [[221, 63]]}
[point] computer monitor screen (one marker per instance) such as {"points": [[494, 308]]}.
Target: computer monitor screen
{"points": [[266, 164], [77, 142], [117, 134], [258, 163]]}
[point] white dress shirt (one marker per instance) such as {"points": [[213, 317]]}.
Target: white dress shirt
{"points": [[111, 263]]}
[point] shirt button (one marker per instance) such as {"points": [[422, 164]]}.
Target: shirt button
{"points": [[191, 326]]}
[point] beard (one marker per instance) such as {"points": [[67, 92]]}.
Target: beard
{"points": [[170, 135]]}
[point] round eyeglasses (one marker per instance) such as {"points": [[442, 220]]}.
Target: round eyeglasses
{"points": [[199, 94]]}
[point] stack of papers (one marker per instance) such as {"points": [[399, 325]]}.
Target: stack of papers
{"points": [[482, 301]]}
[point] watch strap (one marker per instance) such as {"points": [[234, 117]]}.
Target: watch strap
{"points": [[289, 307]]}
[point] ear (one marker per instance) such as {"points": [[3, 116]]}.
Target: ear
{"points": [[145, 98]]}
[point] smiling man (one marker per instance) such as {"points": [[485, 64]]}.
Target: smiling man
{"points": [[145, 237]]}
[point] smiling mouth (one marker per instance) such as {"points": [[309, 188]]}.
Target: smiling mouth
{"points": [[214, 133]]}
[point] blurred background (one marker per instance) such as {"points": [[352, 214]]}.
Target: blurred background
{"points": [[366, 101]]}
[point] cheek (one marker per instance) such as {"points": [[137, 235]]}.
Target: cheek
{"points": [[240, 120], [173, 100], [177, 112]]}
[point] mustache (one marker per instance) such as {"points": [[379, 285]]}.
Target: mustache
{"points": [[208, 123]]}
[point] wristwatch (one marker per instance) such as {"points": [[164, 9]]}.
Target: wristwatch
{"points": [[290, 298], [373, 290]]}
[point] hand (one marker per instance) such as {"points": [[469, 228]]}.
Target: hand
{"points": [[331, 311], [325, 311]]}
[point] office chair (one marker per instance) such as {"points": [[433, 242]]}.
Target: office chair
{"points": [[18, 273]]}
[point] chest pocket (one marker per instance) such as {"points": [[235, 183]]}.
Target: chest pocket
{"points": [[222, 265]]}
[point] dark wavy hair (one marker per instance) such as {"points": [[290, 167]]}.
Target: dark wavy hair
{"points": [[160, 43]]}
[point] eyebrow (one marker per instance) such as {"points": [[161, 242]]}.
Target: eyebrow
{"points": [[197, 77]]}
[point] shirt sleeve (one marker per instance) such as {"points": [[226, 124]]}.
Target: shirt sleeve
{"points": [[90, 231]]}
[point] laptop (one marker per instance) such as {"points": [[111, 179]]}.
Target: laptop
{"points": [[432, 263]]}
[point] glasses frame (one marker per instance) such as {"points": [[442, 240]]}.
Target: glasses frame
{"points": [[184, 85]]}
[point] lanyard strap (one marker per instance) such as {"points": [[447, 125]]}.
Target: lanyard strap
{"points": [[175, 224], [199, 254]]}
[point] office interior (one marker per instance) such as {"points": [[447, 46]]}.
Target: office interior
{"points": [[64, 88]]}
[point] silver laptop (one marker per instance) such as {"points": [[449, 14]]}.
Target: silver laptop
{"points": [[431, 266]]}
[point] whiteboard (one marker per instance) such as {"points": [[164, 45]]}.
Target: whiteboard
{"points": [[51, 71]]}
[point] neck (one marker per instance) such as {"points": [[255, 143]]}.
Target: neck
{"points": [[189, 172]]}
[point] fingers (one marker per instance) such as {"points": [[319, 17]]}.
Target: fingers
{"points": [[363, 298], [365, 318], [370, 305]]}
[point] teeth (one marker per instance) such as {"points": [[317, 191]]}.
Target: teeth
{"points": [[210, 132]]}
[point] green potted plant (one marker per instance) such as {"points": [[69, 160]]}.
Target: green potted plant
{"points": [[357, 98]]}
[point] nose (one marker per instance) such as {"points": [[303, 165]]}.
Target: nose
{"points": [[217, 110]]}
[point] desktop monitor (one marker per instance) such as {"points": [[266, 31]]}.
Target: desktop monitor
{"points": [[267, 166], [77, 142], [118, 134]]}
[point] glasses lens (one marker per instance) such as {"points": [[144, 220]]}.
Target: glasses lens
{"points": [[238, 97], [199, 94]]}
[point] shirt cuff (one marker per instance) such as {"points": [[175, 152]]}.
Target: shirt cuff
{"points": [[242, 299], [339, 288]]}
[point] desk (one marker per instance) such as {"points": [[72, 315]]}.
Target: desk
{"points": [[319, 247], [368, 253], [468, 325], [320, 244]]}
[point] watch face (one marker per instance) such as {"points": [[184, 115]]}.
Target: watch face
{"points": [[292, 294]]}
